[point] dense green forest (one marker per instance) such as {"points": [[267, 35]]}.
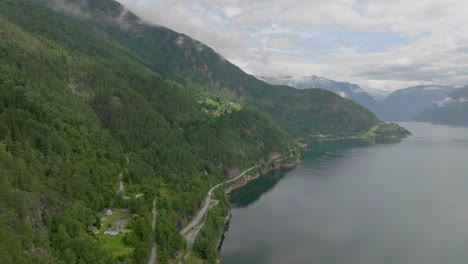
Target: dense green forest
{"points": [[82, 91]]}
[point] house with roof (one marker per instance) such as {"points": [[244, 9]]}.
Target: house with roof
{"points": [[101, 217], [93, 229], [107, 211], [111, 232]]}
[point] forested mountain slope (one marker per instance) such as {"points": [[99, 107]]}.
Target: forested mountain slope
{"points": [[85, 86], [197, 67], [344, 89]]}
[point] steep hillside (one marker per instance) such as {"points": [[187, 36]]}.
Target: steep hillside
{"points": [[344, 89], [406, 104], [89, 93], [72, 105], [452, 110], [202, 71]]}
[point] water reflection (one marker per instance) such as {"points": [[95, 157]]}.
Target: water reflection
{"points": [[332, 149], [358, 202], [255, 189]]}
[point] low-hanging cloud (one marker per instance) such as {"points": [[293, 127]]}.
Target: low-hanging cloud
{"points": [[382, 45], [68, 8], [81, 11]]}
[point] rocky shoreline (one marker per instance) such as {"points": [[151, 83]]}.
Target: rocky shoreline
{"points": [[249, 178], [225, 229], [306, 144], [244, 182]]}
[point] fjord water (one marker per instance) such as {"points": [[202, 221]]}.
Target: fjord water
{"points": [[357, 202]]}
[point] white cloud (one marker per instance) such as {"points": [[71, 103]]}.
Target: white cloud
{"points": [[311, 37], [180, 40], [450, 101], [232, 11], [282, 43], [433, 88]]}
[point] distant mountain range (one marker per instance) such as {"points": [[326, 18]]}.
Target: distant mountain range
{"points": [[451, 110], [344, 89], [434, 103], [406, 104]]}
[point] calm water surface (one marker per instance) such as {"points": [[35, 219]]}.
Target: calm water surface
{"points": [[351, 202]]}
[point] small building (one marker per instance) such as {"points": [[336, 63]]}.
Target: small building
{"points": [[93, 229], [101, 217], [111, 232], [107, 211]]}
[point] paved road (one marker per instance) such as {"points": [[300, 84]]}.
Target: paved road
{"points": [[154, 252], [202, 212], [190, 232]]}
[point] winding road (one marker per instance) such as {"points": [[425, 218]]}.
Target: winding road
{"points": [[121, 192], [206, 205], [190, 232], [152, 259]]}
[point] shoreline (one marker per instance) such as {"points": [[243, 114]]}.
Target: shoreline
{"points": [[306, 144], [191, 231], [247, 179]]}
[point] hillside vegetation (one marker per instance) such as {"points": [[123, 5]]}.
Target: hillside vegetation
{"points": [[199, 71], [83, 90]]}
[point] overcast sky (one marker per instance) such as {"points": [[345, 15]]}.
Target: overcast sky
{"points": [[381, 45]]}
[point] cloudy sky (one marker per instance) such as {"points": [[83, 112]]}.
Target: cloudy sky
{"points": [[381, 45]]}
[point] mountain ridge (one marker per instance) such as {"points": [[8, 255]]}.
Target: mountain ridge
{"points": [[406, 104], [401, 105], [203, 65], [451, 110], [344, 89]]}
